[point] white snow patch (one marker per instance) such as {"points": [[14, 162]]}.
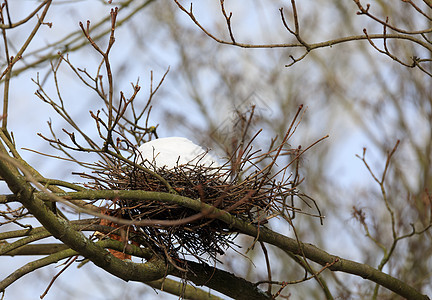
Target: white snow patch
{"points": [[172, 152]]}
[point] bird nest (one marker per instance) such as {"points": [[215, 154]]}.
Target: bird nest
{"points": [[189, 232]]}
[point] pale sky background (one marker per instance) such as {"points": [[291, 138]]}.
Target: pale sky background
{"points": [[28, 116]]}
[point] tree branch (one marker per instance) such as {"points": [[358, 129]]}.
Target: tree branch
{"points": [[222, 281]]}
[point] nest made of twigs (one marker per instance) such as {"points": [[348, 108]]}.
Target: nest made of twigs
{"points": [[214, 186]]}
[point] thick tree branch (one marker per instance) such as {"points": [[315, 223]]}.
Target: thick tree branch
{"points": [[178, 288], [222, 281], [37, 249]]}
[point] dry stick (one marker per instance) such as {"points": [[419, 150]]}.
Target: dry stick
{"points": [[387, 254], [87, 165], [105, 56], [296, 31], [57, 275], [5, 72], [60, 109], [228, 20], [365, 11], [264, 249], [283, 284], [386, 50], [427, 2], [307, 266], [279, 149], [301, 153]]}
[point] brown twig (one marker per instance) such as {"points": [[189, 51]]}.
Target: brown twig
{"points": [[67, 265]]}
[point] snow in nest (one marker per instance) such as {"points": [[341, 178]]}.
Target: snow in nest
{"points": [[172, 152]]}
